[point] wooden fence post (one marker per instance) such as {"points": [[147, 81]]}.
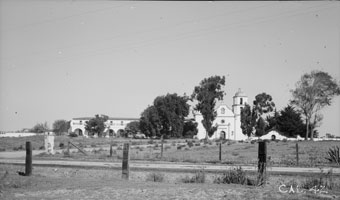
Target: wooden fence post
{"points": [[125, 164], [111, 150], [68, 148], [162, 141], [220, 154], [28, 164], [297, 153], [262, 156]]}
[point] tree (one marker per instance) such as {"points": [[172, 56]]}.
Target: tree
{"points": [[96, 125], [313, 92], [172, 109], [247, 120], [260, 127], [207, 93], [165, 116], [132, 127], [272, 121], [40, 128], [290, 123], [263, 104], [61, 126], [190, 129], [253, 120], [150, 122]]}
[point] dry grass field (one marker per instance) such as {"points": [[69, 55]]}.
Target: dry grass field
{"points": [[311, 154], [280, 153], [72, 183]]}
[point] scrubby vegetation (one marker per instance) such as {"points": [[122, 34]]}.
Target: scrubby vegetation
{"points": [[333, 155]]}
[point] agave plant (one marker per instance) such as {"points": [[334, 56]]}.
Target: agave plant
{"points": [[334, 155]]}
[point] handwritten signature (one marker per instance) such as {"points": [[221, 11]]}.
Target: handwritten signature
{"points": [[297, 189]]}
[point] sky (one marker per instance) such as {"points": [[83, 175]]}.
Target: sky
{"points": [[67, 59]]}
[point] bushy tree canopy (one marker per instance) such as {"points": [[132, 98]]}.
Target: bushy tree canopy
{"points": [[313, 92], [207, 94], [96, 125], [253, 120], [190, 129], [290, 123], [40, 128], [132, 127], [61, 126], [171, 111], [150, 122], [165, 116], [263, 104]]}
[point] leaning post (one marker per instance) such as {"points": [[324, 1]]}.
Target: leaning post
{"points": [[262, 162], [68, 148], [125, 164], [297, 153], [28, 164]]}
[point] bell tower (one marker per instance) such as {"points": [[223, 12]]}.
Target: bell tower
{"points": [[239, 101]]}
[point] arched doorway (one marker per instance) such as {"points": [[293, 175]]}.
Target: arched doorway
{"points": [[79, 132], [222, 135], [273, 137], [111, 133]]}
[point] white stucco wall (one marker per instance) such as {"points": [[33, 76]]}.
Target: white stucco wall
{"points": [[114, 124]]}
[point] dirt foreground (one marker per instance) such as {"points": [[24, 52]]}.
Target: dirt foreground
{"points": [[73, 183]]}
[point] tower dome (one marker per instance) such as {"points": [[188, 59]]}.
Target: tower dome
{"points": [[239, 93], [239, 101]]}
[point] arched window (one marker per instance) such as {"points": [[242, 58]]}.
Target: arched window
{"points": [[241, 101]]}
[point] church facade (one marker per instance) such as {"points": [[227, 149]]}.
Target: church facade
{"points": [[228, 120]]}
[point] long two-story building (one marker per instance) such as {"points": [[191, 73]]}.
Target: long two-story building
{"points": [[114, 126]]}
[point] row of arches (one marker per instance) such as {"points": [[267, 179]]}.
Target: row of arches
{"points": [[109, 133]]}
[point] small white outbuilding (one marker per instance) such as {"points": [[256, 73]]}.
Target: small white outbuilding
{"points": [[273, 135]]}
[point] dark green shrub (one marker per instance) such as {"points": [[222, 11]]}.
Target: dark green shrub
{"points": [[333, 155], [73, 135], [236, 176], [190, 144], [61, 145], [199, 177]]}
